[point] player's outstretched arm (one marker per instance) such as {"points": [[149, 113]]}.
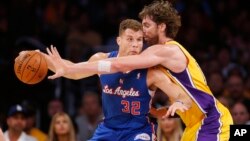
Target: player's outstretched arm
{"points": [[59, 66], [152, 56], [104, 66]]}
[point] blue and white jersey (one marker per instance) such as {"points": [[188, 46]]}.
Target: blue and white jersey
{"points": [[126, 98]]}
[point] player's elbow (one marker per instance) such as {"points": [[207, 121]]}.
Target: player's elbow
{"points": [[118, 67]]}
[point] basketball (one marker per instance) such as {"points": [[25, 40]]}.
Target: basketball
{"points": [[31, 67]]}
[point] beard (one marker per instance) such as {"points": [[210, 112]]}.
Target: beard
{"points": [[152, 41]]}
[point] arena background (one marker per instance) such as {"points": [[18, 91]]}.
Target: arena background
{"points": [[216, 32]]}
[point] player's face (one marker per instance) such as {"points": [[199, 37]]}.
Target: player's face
{"points": [[150, 31], [130, 42], [61, 126]]}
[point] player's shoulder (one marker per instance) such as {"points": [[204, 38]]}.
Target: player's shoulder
{"points": [[99, 56], [163, 49], [158, 47]]}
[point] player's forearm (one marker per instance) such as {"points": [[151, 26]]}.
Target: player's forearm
{"points": [[74, 76], [78, 74], [185, 100], [133, 62], [110, 65], [96, 67], [178, 94]]}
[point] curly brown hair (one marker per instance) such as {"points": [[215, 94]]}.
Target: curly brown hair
{"points": [[163, 12]]}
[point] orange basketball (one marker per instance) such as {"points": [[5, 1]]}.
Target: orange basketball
{"points": [[31, 67]]}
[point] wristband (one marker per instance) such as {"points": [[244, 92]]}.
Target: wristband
{"points": [[104, 66], [179, 101]]}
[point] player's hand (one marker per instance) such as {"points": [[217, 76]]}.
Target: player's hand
{"points": [[57, 62], [20, 55], [1, 135], [174, 107]]}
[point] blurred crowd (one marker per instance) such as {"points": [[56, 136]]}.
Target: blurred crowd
{"points": [[215, 32]]}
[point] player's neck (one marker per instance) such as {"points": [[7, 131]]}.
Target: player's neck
{"points": [[164, 40], [120, 54]]}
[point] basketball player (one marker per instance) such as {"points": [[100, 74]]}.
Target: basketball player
{"points": [[126, 96], [207, 119]]}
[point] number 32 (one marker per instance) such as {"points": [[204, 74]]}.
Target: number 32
{"points": [[134, 108]]}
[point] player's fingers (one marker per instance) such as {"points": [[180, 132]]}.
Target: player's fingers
{"points": [[168, 113], [52, 49], [51, 46], [181, 109], [185, 108], [17, 58], [173, 111], [49, 52], [53, 76], [57, 53], [22, 52]]}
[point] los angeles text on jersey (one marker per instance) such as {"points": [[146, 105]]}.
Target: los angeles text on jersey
{"points": [[241, 132], [121, 92]]}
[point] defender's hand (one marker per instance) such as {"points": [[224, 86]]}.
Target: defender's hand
{"points": [[174, 107]]}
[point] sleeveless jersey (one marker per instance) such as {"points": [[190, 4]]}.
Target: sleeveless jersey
{"points": [[126, 99], [206, 113]]}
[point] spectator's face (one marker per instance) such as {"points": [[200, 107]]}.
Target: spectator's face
{"points": [[16, 122], [150, 31], [130, 42], [235, 87], [224, 57], [91, 106], [225, 101], [54, 107], [240, 114], [168, 125], [30, 122], [61, 126], [216, 83]]}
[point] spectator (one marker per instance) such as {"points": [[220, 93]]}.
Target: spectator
{"points": [[54, 106], [61, 128], [16, 122], [218, 87], [235, 88], [169, 129], [226, 101], [241, 112], [90, 115], [31, 128]]}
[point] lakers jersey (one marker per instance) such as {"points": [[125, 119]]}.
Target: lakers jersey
{"points": [[207, 118], [125, 98]]}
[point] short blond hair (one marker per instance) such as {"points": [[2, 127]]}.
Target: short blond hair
{"points": [[129, 24]]}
